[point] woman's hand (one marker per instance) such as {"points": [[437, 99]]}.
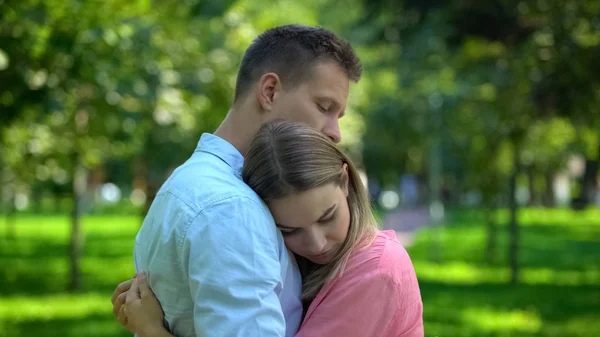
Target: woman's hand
{"points": [[143, 312]]}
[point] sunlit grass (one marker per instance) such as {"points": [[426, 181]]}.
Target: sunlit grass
{"points": [[26, 308], [490, 319], [465, 273], [463, 294], [34, 275]]}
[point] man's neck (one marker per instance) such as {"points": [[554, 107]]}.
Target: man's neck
{"points": [[238, 129]]}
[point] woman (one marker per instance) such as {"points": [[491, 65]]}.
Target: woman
{"points": [[357, 281]]}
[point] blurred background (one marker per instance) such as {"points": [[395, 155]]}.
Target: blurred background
{"points": [[476, 125]]}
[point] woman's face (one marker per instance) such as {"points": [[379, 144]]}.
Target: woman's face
{"points": [[314, 223]]}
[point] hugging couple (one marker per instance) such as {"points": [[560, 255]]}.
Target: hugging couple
{"points": [[266, 230]]}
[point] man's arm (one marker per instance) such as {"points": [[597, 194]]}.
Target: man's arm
{"points": [[231, 257]]}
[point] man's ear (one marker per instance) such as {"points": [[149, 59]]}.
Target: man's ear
{"points": [[269, 86]]}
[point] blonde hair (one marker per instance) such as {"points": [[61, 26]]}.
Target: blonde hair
{"points": [[287, 158]]}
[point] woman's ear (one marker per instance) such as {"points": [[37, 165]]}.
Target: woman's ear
{"points": [[345, 178]]}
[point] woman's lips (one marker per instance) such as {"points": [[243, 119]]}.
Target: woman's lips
{"points": [[323, 257]]}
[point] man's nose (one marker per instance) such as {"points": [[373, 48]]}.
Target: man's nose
{"points": [[332, 130]]}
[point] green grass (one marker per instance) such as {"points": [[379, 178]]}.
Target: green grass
{"points": [[559, 292], [559, 295], [34, 274]]}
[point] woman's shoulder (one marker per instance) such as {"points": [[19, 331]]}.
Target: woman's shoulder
{"points": [[385, 255]]}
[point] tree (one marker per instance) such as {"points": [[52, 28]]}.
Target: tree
{"points": [[82, 81], [499, 78]]}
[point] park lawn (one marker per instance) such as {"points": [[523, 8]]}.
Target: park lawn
{"points": [[463, 296], [559, 292], [34, 272]]}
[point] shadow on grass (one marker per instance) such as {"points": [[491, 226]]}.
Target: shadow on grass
{"points": [[553, 302], [40, 267], [93, 325], [541, 246], [505, 310], [95, 245], [568, 251], [560, 247], [36, 266], [44, 282], [489, 310]]}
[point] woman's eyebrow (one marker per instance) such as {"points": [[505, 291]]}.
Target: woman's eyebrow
{"points": [[326, 213]]}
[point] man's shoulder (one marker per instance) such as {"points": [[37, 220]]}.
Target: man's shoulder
{"points": [[205, 195], [208, 199], [205, 183], [200, 212]]}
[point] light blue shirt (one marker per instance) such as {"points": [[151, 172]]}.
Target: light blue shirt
{"points": [[214, 258]]}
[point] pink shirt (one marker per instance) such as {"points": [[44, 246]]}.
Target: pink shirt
{"points": [[377, 295]]}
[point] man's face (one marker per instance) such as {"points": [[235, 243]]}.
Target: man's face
{"points": [[320, 101]]}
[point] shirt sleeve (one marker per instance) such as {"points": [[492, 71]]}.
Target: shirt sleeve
{"points": [[231, 255], [375, 305]]}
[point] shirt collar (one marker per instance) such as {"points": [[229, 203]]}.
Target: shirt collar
{"points": [[222, 149]]}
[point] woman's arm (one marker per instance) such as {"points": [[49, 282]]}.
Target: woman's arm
{"points": [[142, 311]]}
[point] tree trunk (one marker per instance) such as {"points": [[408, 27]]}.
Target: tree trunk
{"points": [[152, 175], [2, 174], [492, 232], [8, 183], [436, 206], [76, 242], [57, 203], [534, 199], [513, 250], [548, 199], [9, 207], [152, 188], [36, 199], [11, 217], [588, 181]]}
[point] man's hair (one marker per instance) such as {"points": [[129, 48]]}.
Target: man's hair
{"points": [[291, 51]]}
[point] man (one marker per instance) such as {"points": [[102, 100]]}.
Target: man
{"points": [[211, 250]]}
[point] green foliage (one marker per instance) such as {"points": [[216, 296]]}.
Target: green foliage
{"points": [[484, 78], [123, 82], [129, 81]]}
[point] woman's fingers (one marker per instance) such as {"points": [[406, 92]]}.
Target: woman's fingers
{"points": [[122, 316], [144, 289], [119, 303], [133, 293]]}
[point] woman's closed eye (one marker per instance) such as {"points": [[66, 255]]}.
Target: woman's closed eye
{"points": [[329, 219], [288, 231]]}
